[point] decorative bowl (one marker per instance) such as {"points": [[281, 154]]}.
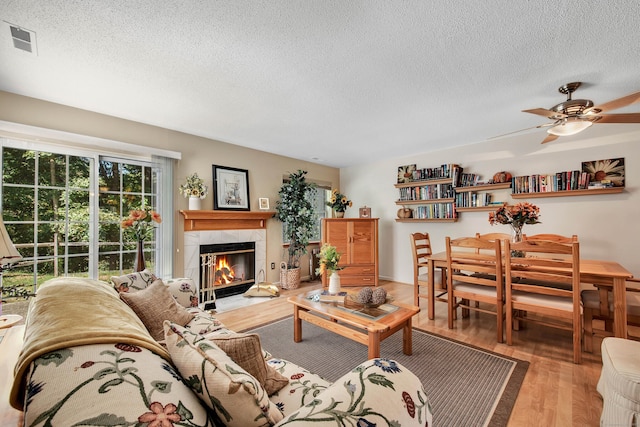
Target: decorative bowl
{"points": [[353, 299]]}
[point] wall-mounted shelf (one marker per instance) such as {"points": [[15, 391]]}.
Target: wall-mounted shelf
{"points": [[426, 219], [424, 182], [424, 202], [589, 192], [479, 208], [484, 187]]}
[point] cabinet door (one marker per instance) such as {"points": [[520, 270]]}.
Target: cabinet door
{"points": [[362, 236], [336, 233]]}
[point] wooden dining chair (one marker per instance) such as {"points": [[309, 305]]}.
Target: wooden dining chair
{"points": [[593, 309], [474, 273], [544, 287], [421, 249], [559, 238]]}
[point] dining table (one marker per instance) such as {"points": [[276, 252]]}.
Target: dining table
{"points": [[603, 274]]}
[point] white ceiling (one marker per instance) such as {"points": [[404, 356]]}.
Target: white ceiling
{"points": [[336, 82]]}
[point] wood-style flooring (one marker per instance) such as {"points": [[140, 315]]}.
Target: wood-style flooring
{"points": [[555, 391]]}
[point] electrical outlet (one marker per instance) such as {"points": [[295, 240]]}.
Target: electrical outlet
{"points": [[273, 265]]}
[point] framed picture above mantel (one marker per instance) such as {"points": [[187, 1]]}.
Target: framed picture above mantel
{"points": [[231, 188]]}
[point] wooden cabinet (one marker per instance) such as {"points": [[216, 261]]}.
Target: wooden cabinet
{"points": [[356, 240]]}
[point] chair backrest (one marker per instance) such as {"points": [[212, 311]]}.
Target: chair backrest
{"points": [[559, 238], [475, 261], [421, 248], [494, 236], [549, 268]]}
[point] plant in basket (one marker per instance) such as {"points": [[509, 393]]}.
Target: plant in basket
{"points": [[295, 211]]}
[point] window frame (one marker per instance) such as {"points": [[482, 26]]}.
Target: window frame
{"points": [[95, 153]]}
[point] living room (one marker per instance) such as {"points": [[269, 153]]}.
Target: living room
{"points": [[604, 223]]}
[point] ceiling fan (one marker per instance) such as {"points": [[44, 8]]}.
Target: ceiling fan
{"points": [[575, 115]]}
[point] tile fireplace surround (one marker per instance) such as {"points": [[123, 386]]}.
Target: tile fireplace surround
{"points": [[212, 227]]}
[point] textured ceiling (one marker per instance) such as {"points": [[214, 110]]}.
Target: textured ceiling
{"points": [[334, 82]]}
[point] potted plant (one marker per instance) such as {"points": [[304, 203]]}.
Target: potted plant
{"points": [[339, 203], [194, 189], [295, 211]]}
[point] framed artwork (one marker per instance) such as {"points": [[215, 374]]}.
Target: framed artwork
{"points": [[608, 170], [231, 188], [405, 173], [264, 203], [365, 212]]}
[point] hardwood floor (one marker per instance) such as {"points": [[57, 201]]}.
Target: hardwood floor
{"points": [[555, 391]]}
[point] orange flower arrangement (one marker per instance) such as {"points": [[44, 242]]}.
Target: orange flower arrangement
{"points": [[141, 222]]}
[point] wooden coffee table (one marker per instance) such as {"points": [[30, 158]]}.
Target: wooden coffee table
{"points": [[366, 330]]}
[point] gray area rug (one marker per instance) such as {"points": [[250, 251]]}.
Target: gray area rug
{"points": [[467, 386]]}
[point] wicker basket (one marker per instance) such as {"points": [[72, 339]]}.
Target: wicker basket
{"points": [[289, 277]]}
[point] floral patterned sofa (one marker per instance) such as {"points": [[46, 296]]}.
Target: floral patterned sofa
{"points": [[90, 358]]}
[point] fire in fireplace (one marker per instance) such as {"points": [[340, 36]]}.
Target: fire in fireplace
{"points": [[226, 269]]}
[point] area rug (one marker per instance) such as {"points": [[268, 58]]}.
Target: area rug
{"points": [[467, 386]]}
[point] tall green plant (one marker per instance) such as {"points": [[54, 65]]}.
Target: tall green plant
{"points": [[296, 212]]}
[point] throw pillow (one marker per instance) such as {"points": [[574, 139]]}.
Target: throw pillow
{"points": [[154, 305], [133, 282], [246, 351], [236, 397], [184, 290]]}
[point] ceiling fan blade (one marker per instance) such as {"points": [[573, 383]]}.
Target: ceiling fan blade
{"points": [[545, 113], [522, 130], [619, 118], [549, 138], [616, 103]]}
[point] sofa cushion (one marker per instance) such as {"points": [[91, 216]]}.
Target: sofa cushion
{"points": [[232, 393], [246, 351], [112, 384], [133, 282], [154, 305], [184, 290]]}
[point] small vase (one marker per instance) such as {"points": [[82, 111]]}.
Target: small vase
{"points": [[139, 263], [516, 237], [194, 203], [339, 214], [334, 283]]}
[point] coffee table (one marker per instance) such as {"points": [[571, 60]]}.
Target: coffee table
{"points": [[366, 330]]}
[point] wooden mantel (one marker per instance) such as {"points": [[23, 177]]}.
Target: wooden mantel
{"points": [[225, 220]]}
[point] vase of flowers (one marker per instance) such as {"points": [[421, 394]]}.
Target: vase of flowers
{"points": [[139, 225], [329, 259], [195, 190], [339, 203], [516, 216]]}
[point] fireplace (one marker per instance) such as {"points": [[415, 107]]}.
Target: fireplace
{"points": [[204, 228], [226, 269]]}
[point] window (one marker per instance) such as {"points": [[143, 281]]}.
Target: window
{"points": [[54, 218]]}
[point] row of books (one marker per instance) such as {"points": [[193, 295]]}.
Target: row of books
{"points": [[435, 211], [443, 171], [465, 179], [560, 181], [472, 199], [426, 192]]}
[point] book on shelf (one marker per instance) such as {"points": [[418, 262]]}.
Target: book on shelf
{"points": [[560, 181]]}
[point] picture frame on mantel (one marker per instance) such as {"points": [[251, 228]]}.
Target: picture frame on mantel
{"points": [[230, 188]]}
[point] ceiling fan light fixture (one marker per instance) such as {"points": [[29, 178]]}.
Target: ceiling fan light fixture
{"points": [[570, 126]]}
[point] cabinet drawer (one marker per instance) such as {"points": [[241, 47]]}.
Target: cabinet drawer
{"points": [[364, 280], [353, 270]]}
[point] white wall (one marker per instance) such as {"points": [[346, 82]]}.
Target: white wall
{"points": [[608, 226]]}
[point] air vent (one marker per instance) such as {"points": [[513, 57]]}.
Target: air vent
{"points": [[22, 38]]}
